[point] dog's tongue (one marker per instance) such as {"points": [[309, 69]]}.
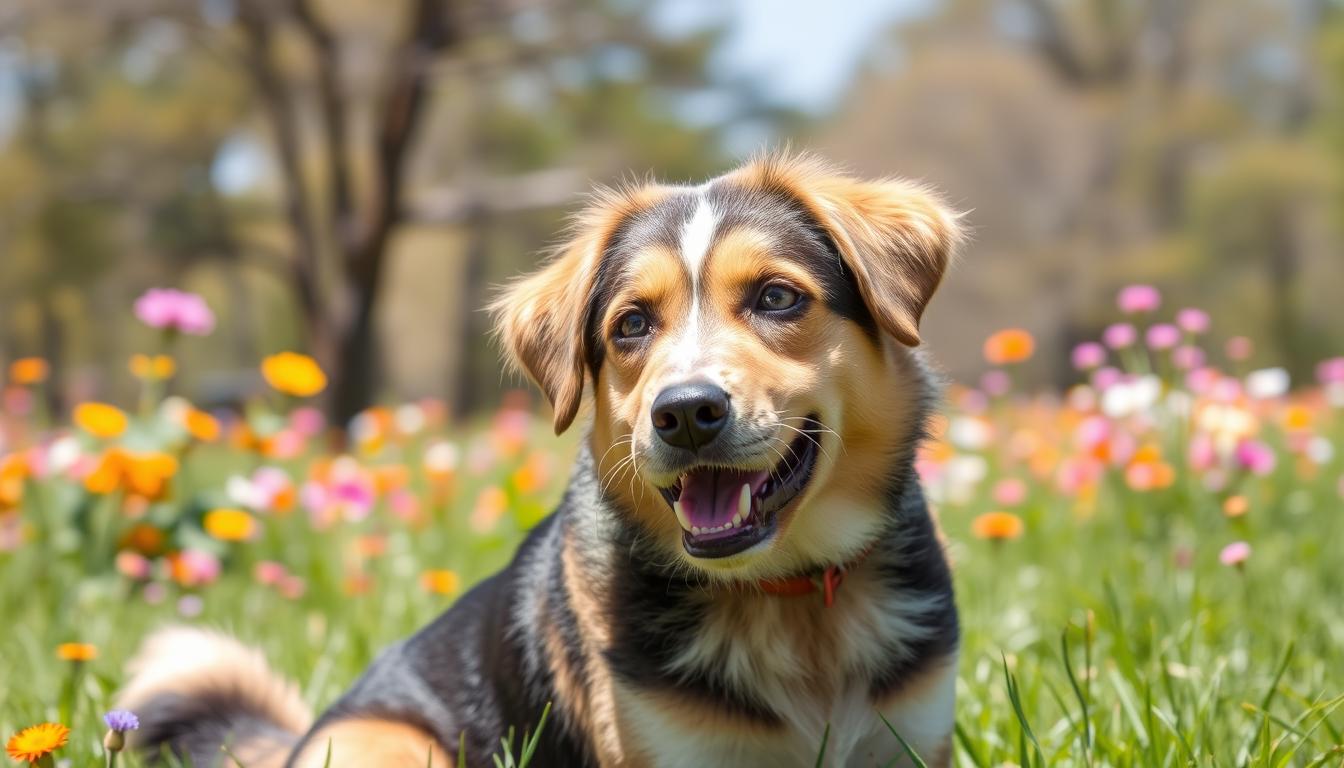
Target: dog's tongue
{"points": [[710, 497]]}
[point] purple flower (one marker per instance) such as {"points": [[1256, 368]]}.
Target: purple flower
{"points": [[1105, 378], [1193, 320], [995, 383], [1088, 355], [121, 720], [169, 309], [1331, 371], [1138, 298], [1235, 553], [1120, 336], [1163, 336]]}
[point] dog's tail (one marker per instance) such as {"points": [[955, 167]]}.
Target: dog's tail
{"points": [[210, 700]]}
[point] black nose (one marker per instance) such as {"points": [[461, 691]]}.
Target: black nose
{"points": [[690, 415]]}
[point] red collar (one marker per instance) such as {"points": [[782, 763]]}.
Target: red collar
{"points": [[827, 582]]}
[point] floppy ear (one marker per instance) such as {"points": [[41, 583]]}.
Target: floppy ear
{"points": [[540, 318], [895, 235]]}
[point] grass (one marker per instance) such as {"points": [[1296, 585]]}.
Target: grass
{"points": [[1108, 634]]}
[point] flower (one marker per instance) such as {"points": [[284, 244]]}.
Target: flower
{"points": [[36, 742], [119, 721], [293, 374], [152, 367], [1240, 348], [1138, 298], [1235, 506], [1010, 492], [1163, 336], [1267, 383], [1330, 371], [168, 309], [1088, 355], [439, 581], [227, 524], [1193, 320], [77, 652], [100, 419], [1235, 553], [1188, 357], [1120, 336], [997, 526], [27, 371], [200, 425], [1255, 456], [996, 383], [1011, 345]]}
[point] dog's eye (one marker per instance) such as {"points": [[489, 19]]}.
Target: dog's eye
{"points": [[633, 326], [776, 298]]}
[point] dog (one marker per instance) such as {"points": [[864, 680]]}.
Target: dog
{"points": [[743, 569]]}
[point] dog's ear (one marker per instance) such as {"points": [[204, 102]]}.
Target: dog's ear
{"points": [[540, 318], [896, 236]]}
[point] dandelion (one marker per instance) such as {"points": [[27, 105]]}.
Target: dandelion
{"points": [[1120, 336], [1088, 355], [35, 744], [100, 420], [439, 581], [293, 374], [997, 526], [1235, 554], [77, 652], [175, 311], [227, 524], [1134, 299], [27, 371], [1012, 345]]}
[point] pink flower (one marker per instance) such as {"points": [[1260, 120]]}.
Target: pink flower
{"points": [[1239, 348], [269, 572], [1235, 553], [1163, 336], [1255, 456], [1138, 298], [1105, 378], [133, 565], [1202, 380], [1188, 357], [307, 421], [995, 383], [1120, 336], [1330, 371], [1203, 453], [169, 309], [1193, 320], [1009, 492], [1088, 355]]}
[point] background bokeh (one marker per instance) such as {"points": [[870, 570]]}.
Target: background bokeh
{"points": [[349, 177]]}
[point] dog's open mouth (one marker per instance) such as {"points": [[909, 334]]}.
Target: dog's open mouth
{"points": [[724, 511]]}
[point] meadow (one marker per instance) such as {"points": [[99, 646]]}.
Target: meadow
{"points": [[1148, 564]]}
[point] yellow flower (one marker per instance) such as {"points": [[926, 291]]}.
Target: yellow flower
{"points": [[293, 374], [228, 524], [439, 581], [147, 474], [76, 651], [37, 741], [997, 526], [13, 470], [100, 419], [27, 371], [1012, 345], [153, 367], [201, 425]]}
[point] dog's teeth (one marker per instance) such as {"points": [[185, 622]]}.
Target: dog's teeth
{"points": [[737, 520], [697, 530], [744, 501], [681, 515]]}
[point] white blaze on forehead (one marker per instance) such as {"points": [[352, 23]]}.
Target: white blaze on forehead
{"points": [[697, 234]]}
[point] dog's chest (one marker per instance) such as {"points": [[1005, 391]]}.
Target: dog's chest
{"points": [[812, 668]]}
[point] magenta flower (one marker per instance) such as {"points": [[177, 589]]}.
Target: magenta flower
{"points": [[1120, 336], [1235, 554], [1255, 456], [1105, 378], [1188, 357], [1193, 320], [1240, 348], [168, 309], [1088, 355], [1138, 298], [1163, 336], [1330, 371]]}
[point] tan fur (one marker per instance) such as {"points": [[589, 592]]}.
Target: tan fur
{"points": [[189, 662], [357, 743]]}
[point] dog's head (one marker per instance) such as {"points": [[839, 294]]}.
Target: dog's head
{"points": [[746, 343]]}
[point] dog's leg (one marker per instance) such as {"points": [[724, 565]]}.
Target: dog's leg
{"points": [[364, 742]]}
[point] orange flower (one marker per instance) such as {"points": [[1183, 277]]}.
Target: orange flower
{"points": [[37, 741], [147, 474], [293, 374], [100, 419], [152, 367], [997, 526], [230, 524], [201, 425], [1236, 506], [439, 582], [143, 538], [13, 470], [27, 371], [76, 651], [1012, 345], [106, 474]]}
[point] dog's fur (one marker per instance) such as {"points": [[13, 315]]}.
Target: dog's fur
{"points": [[650, 655]]}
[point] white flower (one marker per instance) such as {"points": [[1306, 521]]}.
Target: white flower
{"points": [[62, 454], [1128, 398], [410, 419], [1267, 383], [969, 434], [1320, 450]]}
